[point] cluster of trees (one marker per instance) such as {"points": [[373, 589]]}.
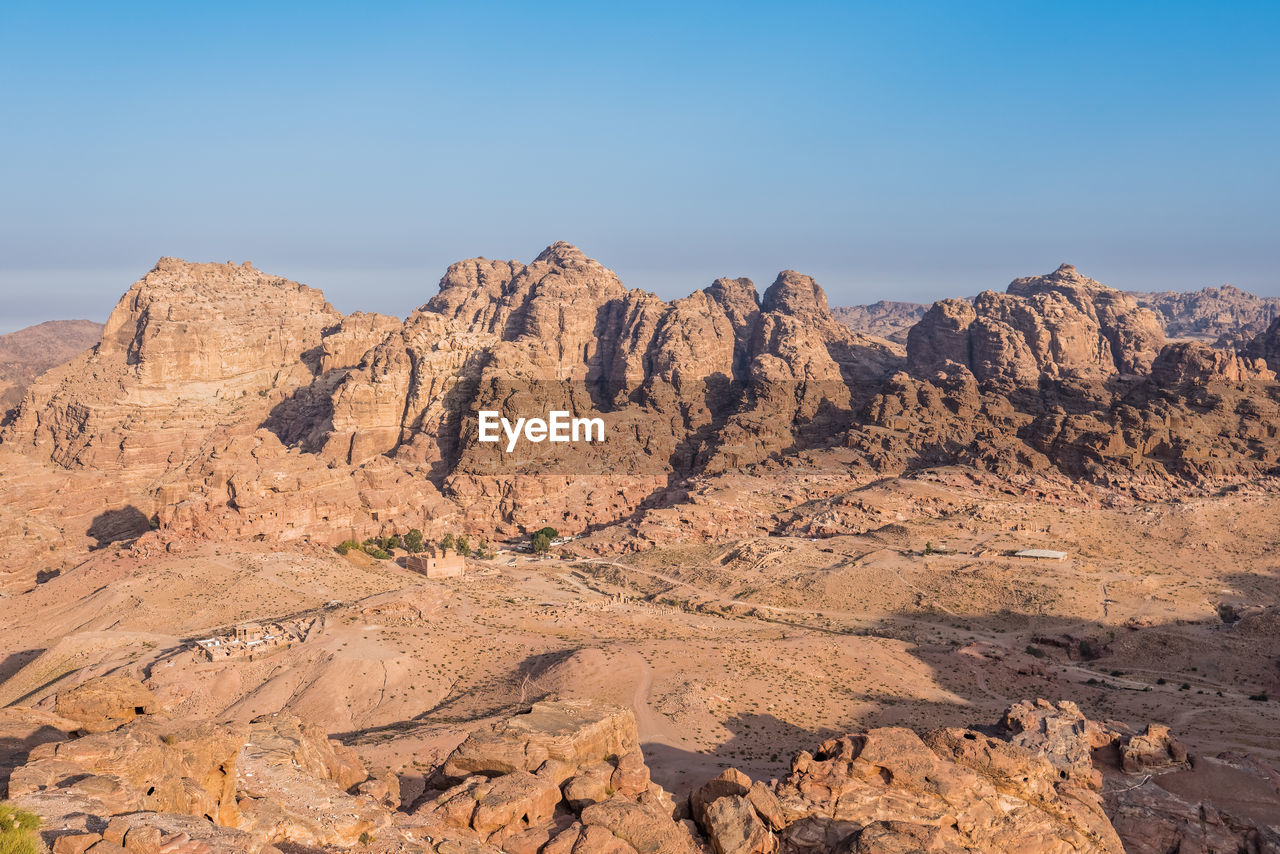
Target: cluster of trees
{"points": [[415, 542], [375, 547], [462, 545], [540, 540]]}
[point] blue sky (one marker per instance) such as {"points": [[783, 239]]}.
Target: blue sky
{"points": [[894, 150]]}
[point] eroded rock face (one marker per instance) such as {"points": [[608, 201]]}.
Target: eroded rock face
{"points": [[227, 401], [958, 788], [1047, 784], [190, 347], [191, 783], [566, 777], [1226, 315], [1056, 326], [103, 704], [292, 782], [575, 734], [146, 765]]}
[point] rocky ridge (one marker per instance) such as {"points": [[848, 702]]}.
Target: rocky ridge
{"points": [[569, 776], [223, 401]]}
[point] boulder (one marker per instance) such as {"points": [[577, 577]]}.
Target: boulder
{"points": [[104, 703]]}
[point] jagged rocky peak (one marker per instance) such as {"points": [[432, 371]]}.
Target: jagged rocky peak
{"points": [[796, 294], [509, 298], [1063, 324], [157, 324]]}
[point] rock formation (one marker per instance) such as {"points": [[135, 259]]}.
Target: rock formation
{"points": [[1226, 316], [223, 401], [27, 353], [884, 319]]}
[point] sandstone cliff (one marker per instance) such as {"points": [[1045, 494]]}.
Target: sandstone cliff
{"points": [[226, 401]]}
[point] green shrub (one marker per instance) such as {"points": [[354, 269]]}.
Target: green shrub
{"points": [[447, 542], [375, 552], [540, 543], [483, 550], [551, 533], [463, 545], [18, 830], [347, 545], [413, 541]]}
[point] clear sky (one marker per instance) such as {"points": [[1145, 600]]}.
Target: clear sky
{"points": [[907, 150]]}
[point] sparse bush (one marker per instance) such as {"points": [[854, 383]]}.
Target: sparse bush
{"points": [[928, 548], [375, 552], [1259, 698], [18, 830], [463, 545], [413, 541], [391, 542], [483, 549], [346, 546]]}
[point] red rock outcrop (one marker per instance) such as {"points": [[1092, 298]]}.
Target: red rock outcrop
{"points": [[890, 790], [227, 786], [1062, 325], [565, 777]]}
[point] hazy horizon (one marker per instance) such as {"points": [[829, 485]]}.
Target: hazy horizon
{"points": [[892, 151], [399, 292]]}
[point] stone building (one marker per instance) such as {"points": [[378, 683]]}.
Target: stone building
{"points": [[437, 563]]}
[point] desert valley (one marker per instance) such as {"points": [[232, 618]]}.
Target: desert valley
{"points": [[997, 574]]}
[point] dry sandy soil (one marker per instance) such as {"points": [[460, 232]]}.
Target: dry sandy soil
{"points": [[736, 653]]}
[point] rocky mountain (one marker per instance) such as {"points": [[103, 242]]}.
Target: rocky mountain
{"points": [[1226, 316], [223, 401], [883, 319], [27, 353], [229, 400]]}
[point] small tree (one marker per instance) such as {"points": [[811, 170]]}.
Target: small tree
{"points": [[551, 533], [413, 541], [18, 830], [540, 543], [482, 549], [448, 542], [463, 545]]}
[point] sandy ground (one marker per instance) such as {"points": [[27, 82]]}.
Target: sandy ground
{"points": [[736, 653]]}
